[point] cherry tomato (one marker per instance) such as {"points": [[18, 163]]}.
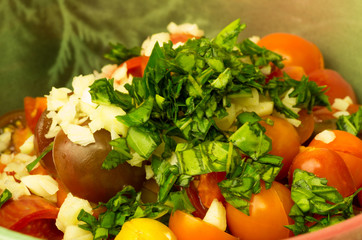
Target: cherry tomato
{"points": [[296, 50], [325, 163], [41, 142], [269, 211], [337, 86], [20, 135], [80, 168], [33, 108], [306, 128], [145, 228], [208, 189], [31, 215], [188, 227], [285, 141], [348, 147]]}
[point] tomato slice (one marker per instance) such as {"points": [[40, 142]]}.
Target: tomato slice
{"points": [[188, 227], [33, 108], [31, 215], [208, 188], [269, 211]]}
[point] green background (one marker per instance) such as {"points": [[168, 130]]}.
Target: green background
{"points": [[44, 43]]}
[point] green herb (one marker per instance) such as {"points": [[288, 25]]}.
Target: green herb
{"points": [[120, 53], [351, 123], [31, 165], [5, 196], [312, 196], [118, 155]]}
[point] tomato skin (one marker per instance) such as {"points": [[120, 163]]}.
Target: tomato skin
{"points": [[296, 50], [306, 128], [208, 188], [325, 163], [285, 141], [80, 168], [187, 227], [41, 142], [337, 86], [33, 108], [269, 211], [349, 147], [193, 195], [31, 215], [343, 142]]}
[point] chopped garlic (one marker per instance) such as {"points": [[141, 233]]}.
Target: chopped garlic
{"points": [[5, 139], [216, 215], [74, 232], [42, 185], [342, 104], [17, 189], [81, 83], [149, 43], [69, 211], [28, 145], [186, 28], [78, 134], [57, 98], [326, 136], [340, 113]]}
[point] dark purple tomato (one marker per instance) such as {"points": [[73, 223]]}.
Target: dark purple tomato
{"points": [[41, 142], [80, 168]]}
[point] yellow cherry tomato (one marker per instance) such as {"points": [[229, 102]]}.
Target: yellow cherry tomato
{"points": [[145, 229]]}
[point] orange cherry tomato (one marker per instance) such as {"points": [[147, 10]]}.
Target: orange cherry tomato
{"points": [[31, 215], [322, 113], [306, 128], [33, 108], [285, 141], [325, 163], [188, 227], [20, 135], [208, 188], [269, 211], [296, 50], [337, 86]]}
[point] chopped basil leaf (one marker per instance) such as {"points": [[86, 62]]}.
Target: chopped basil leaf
{"points": [[120, 53], [31, 165], [351, 123], [5, 196]]}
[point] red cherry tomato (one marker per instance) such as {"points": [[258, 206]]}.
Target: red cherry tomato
{"points": [[337, 86], [33, 108], [269, 211], [31, 215], [296, 50], [325, 163], [188, 227], [192, 193], [208, 188], [285, 141], [349, 147]]}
